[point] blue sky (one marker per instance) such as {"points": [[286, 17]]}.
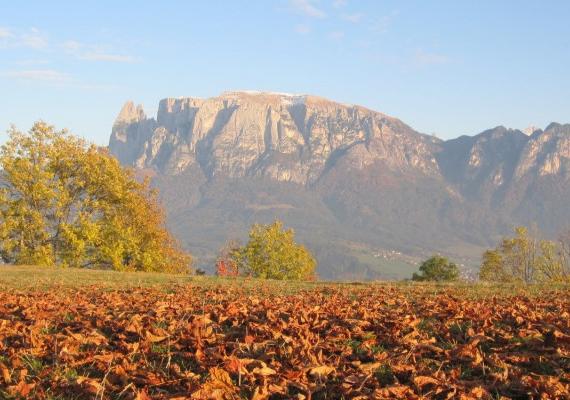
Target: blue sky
{"points": [[443, 67]]}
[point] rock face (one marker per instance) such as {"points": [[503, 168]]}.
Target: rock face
{"points": [[284, 137], [357, 175]]}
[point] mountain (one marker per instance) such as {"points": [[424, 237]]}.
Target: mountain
{"points": [[366, 192]]}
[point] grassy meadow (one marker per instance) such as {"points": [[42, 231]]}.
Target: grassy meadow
{"points": [[35, 278]]}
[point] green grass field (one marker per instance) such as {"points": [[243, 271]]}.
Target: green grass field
{"points": [[28, 277], [33, 278]]}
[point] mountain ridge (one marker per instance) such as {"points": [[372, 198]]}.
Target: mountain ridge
{"points": [[359, 169]]}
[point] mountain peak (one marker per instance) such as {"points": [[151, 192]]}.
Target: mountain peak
{"points": [[497, 132], [530, 130], [130, 113], [553, 125], [288, 137]]}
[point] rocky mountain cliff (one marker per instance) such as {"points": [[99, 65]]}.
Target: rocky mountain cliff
{"points": [[364, 189], [283, 137]]}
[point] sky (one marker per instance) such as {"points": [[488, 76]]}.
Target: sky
{"points": [[444, 67]]}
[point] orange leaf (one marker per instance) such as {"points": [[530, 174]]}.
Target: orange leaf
{"points": [[422, 381], [321, 371], [155, 339], [264, 371], [5, 374]]}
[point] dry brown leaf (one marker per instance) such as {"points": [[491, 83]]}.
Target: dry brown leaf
{"points": [[381, 341], [153, 338], [321, 371], [264, 371], [6, 374], [422, 381]]}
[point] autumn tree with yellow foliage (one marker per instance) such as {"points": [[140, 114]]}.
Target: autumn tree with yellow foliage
{"points": [[271, 253], [526, 259], [65, 202]]}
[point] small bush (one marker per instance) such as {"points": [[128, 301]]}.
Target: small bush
{"points": [[437, 269], [272, 253]]}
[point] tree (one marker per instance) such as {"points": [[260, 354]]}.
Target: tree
{"points": [[272, 253], [437, 268], [550, 265], [526, 259], [492, 267], [226, 265], [564, 246], [68, 203], [512, 261]]}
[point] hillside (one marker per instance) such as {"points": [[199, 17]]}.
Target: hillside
{"points": [[365, 191]]}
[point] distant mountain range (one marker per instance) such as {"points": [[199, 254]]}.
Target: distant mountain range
{"points": [[366, 192]]}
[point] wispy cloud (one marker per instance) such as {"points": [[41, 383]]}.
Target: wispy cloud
{"points": [[381, 25], [339, 3], [5, 36], [72, 46], [33, 61], [119, 58], [90, 86], [422, 58], [37, 40], [5, 33], [42, 75], [94, 53], [336, 35], [306, 7], [53, 77], [34, 39], [354, 18], [303, 29], [387, 59]]}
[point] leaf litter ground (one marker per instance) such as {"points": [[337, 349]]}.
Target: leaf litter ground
{"points": [[326, 342]]}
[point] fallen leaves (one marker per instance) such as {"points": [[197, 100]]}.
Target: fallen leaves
{"points": [[321, 371], [218, 386], [332, 342]]}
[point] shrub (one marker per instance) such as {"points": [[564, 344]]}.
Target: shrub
{"points": [[272, 253], [226, 264], [437, 268]]}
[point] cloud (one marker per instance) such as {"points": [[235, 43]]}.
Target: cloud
{"points": [[33, 61], [5, 37], [90, 86], [72, 46], [42, 75], [363, 43], [53, 78], [94, 53], [306, 7], [354, 18], [302, 29], [5, 33], [34, 39], [425, 58], [339, 3], [381, 24], [336, 35], [119, 58]]}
